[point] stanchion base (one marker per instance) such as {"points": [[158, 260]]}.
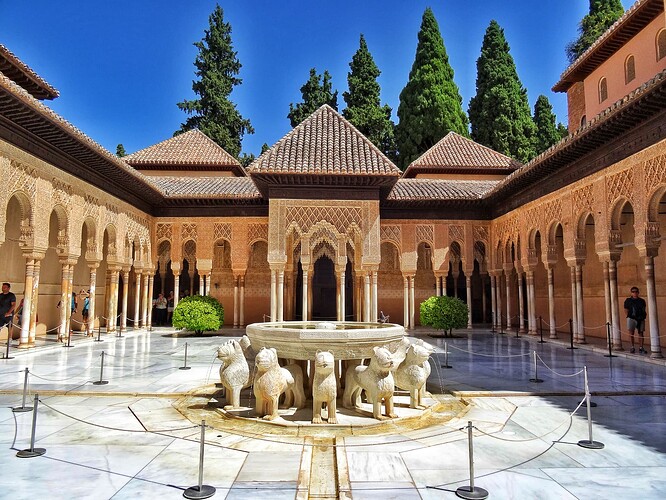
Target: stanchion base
{"points": [[186, 368], [21, 409], [610, 356], [542, 342], [101, 382], [592, 445], [471, 493], [35, 452], [68, 345], [205, 491], [445, 366], [98, 340], [7, 357], [536, 380], [572, 348]]}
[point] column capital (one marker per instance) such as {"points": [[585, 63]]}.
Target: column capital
{"points": [[93, 264], [67, 261], [34, 254]]}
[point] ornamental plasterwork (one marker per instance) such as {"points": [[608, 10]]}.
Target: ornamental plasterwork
{"points": [[189, 231], [164, 231], [619, 185], [221, 231], [22, 178], [190, 252], [257, 232], [583, 199], [62, 194], [341, 217], [552, 211], [426, 233], [91, 206], [480, 233], [655, 172], [391, 233]]}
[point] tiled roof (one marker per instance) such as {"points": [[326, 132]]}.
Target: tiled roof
{"points": [[205, 187], [192, 149], [456, 153], [324, 144], [439, 189], [18, 71]]}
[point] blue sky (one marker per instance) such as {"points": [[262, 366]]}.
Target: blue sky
{"points": [[121, 66]]}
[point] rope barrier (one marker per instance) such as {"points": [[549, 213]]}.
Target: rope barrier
{"points": [[7, 373], [62, 379], [557, 373], [490, 355]]}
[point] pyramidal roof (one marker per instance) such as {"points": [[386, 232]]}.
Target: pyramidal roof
{"points": [[325, 144], [190, 149], [457, 154]]}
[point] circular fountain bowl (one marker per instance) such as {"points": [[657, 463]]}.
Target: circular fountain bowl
{"points": [[343, 339]]}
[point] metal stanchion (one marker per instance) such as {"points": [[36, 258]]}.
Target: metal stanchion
{"points": [[99, 334], [610, 342], [446, 356], [201, 490], [23, 407], [101, 380], [518, 330], [471, 492], [69, 339], [10, 328], [32, 451], [589, 443], [536, 378], [501, 325], [571, 332], [542, 341], [185, 367]]}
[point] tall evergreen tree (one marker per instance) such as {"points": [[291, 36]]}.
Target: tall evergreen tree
{"points": [[364, 109], [562, 130], [500, 112], [430, 104], [603, 13], [316, 92], [217, 68], [120, 150], [546, 130]]}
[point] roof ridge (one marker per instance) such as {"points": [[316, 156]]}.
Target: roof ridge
{"points": [[30, 73]]}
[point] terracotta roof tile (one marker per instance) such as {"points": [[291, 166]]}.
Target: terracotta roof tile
{"points": [[193, 148], [17, 70], [455, 152], [439, 189], [324, 144], [205, 187]]}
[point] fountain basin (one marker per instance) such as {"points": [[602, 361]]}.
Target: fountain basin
{"points": [[303, 339]]}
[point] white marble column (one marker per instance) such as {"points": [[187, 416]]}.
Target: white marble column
{"points": [[366, 296], [202, 283], [123, 317], [273, 295], [438, 288], [521, 307], [280, 295], [468, 280], [176, 288], [113, 301], [145, 302], [151, 279], [93, 289], [32, 312], [498, 297], [341, 281], [236, 304], [484, 299], [373, 310], [137, 299], [579, 304], [209, 276], [64, 303], [607, 300], [493, 285], [405, 296], [242, 302], [412, 304], [508, 300], [27, 301], [70, 289], [551, 303], [305, 293], [616, 327], [655, 345], [574, 303]]}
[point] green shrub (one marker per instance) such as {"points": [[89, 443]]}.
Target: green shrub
{"points": [[198, 314], [444, 313]]}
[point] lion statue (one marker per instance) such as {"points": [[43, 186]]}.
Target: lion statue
{"points": [[234, 372], [270, 381], [324, 387], [376, 380], [412, 374]]}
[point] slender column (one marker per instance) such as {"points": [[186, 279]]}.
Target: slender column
{"points": [[484, 299], [151, 279], [551, 303], [273, 295], [342, 294], [438, 288], [113, 302], [32, 317], [336, 277], [405, 296], [305, 293], [176, 288], [366, 297], [310, 294], [280, 295], [508, 300], [202, 284], [493, 285], [468, 279], [93, 288], [615, 316], [236, 304], [574, 303], [532, 303], [607, 301], [209, 276], [521, 307], [137, 299], [412, 324], [498, 296], [145, 305], [241, 319], [27, 302], [373, 312], [655, 346], [70, 287], [444, 279], [579, 304], [123, 317], [64, 304]]}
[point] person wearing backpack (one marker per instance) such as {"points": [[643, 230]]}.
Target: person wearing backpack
{"points": [[634, 308]]}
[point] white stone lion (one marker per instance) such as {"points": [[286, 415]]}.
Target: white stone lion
{"points": [[234, 372], [324, 388], [376, 380], [270, 381], [414, 371]]}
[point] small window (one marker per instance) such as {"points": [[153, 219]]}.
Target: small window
{"points": [[661, 45], [583, 121], [629, 69], [603, 90]]}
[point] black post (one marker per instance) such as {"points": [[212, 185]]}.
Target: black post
{"points": [[10, 329], [99, 334], [610, 344], [571, 332], [542, 341]]}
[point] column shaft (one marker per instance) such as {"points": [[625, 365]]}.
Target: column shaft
{"points": [[32, 317], [551, 304], [27, 303], [280, 295], [521, 307], [468, 280], [579, 304], [123, 318], [653, 317], [616, 327]]}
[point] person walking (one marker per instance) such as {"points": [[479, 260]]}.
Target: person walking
{"points": [[7, 306], [634, 308]]}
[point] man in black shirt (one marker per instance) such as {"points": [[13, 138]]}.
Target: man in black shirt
{"points": [[7, 305], [634, 308]]}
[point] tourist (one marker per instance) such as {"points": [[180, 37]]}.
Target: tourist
{"points": [[161, 309], [634, 308], [170, 302], [7, 306], [85, 310]]}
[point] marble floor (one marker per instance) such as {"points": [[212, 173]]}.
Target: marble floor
{"points": [[126, 438]]}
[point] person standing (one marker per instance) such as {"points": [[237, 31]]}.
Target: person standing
{"points": [[7, 306], [161, 308], [84, 312], [634, 308], [170, 302]]}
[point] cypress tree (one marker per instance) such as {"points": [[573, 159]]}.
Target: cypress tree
{"points": [[430, 104], [316, 92], [500, 112], [546, 130], [603, 13], [217, 68], [364, 110], [120, 150], [562, 130]]}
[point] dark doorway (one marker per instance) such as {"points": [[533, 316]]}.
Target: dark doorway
{"points": [[324, 305]]}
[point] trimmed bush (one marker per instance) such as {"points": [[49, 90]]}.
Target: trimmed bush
{"points": [[444, 313], [198, 314]]}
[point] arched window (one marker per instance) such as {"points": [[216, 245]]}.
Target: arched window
{"points": [[583, 121], [661, 45], [629, 69], [603, 89]]}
